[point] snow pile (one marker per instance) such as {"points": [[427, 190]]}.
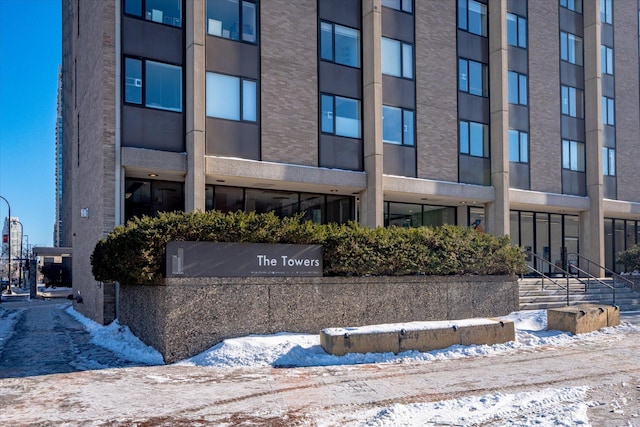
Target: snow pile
{"points": [[547, 407], [119, 339]]}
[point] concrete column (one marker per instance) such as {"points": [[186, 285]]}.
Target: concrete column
{"points": [[194, 72], [497, 212], [592, 222], [371, 199]]}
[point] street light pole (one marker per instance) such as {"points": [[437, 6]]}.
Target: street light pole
{"points": [[9, 241]]}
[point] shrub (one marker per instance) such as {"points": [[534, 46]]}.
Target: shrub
{"points": [[135, 252], [630, 259]]}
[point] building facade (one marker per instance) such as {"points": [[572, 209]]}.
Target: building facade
{"points": [[517, 116]]}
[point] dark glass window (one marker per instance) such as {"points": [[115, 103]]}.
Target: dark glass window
{"points": [[339, 44], [233, 19], [571, 48], [572, 101], [168, 12], [518, 146], [340, 116], [472, 17], [231, 98], [574, 5], [516, 30], [608, 111], [518, 88], [473, 77], [397, 58], [474, 139], [153, 84], [398, 125], [402, 5], [608, 161], [573, 155], [606, 60], [148, 197]]}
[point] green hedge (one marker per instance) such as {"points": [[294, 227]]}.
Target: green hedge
{"points": [[135, 253], [630, 259]]}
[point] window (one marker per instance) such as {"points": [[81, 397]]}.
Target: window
{"points": [[606, 15], [608, 161], [397, 58], [231, 98], [474, 139], [472, 17], [168, 12], [403, 5], [608, 111], [340, 116], [573, 155], [153, 84], [517, 88], [575, 5], [572, 102], [232, 19], [606, 60], [473, 77], [398, 125], [516, 30], [571, 48], [339, 44], [518, 146]]}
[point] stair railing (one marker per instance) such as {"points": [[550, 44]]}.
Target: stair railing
{"points": [[591, 277], [560, 270]]}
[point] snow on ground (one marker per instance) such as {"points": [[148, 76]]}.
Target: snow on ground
{"points": [[546, 407]]}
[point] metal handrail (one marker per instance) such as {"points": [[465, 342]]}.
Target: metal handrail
{"points": [[568, 274], [611, 272]]}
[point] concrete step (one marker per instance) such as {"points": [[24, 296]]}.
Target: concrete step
{"points": [[534, 297]]}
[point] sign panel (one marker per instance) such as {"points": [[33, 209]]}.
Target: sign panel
{"points": [[223, 259]]}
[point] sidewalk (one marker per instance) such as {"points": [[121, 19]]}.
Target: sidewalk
{"points": [[176, 395]]}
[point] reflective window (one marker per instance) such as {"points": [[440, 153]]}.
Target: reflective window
{"points": [[608, 111], [232, 98], [398, 125], [575, 5], [473, 77], [517, 85], [397, 58], [403, 5], [572, 101], [518, 146], [149, 197], [474, 139], [472, 17], [232, 19], [573, 155], [571, 48], [606, 12], [340, 116], [606, 60], [516, 30], [168, 12], [608, 161], [339, 44], [133, 80], [162, 84]]}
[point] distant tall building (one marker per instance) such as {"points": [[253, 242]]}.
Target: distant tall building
{"points": [[519, 116], [13, 233], [58, 229]]}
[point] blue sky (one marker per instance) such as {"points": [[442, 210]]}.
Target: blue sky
{"points": [[30, 53]]}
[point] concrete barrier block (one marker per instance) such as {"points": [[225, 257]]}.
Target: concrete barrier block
{"points": [[342, 341], [583, 318], [429, 339], [496, 332]]}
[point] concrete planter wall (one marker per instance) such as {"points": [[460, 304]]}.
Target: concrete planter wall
{"points": [[182, 317]]}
